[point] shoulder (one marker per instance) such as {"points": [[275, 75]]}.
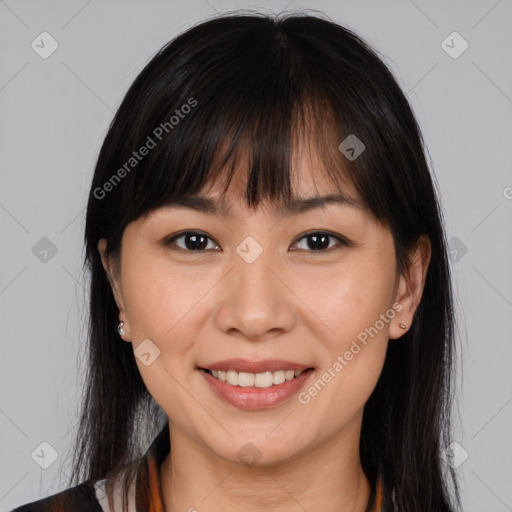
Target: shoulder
{"points": [[81, 498]]}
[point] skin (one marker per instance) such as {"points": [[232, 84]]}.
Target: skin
{"points": [[305, 306]]}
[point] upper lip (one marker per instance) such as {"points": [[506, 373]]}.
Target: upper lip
{"points": [[265, 365]]}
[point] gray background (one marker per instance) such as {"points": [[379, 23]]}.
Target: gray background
{"points": [[55, 113]]}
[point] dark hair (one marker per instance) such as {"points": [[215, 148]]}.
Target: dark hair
{"points": [[260, 86]]}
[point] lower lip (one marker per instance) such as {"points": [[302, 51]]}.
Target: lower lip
{"points": [[253, 397]]}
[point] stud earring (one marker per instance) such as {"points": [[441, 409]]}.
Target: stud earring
{"points": [[120, 329], [402, 326]]}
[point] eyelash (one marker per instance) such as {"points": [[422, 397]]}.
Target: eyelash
{"points": [[342, 242]]}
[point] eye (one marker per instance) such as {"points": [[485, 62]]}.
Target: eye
{"points": [[196, 241], [193, 240], [319, 241]]}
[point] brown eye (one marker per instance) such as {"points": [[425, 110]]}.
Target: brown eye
{"points": [[319, 241], [192, 241]]}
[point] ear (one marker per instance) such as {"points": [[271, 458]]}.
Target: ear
{"points": [[410, 286], [113, 276]]}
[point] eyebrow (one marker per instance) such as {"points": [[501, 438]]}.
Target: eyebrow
{"points": [[294, 207]]}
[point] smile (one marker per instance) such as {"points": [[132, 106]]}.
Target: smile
{"points": [[259, 380], [246, 390]]}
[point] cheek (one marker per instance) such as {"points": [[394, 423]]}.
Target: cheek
{"points": [[160, 306], [352, 299], [158, 298], [356, 305], [365, 297]]}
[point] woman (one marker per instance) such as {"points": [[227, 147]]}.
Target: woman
{"points": [[263, 233]]}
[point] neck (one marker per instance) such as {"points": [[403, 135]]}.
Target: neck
{"points": [[329, 477]]}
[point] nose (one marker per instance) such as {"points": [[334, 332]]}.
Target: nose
{"points": [[256, 304]]}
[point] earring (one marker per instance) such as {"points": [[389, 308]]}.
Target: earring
{"points": [[402, 326], [120, 329]]}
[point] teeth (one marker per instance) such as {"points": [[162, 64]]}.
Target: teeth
{"points": [[259, 380], [232, 378]]}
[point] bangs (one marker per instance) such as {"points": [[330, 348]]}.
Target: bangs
{"points": [[266, 148], [257, 110]]}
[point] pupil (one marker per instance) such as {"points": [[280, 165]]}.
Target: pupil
{"points": [[194, 246], [317, 246]]}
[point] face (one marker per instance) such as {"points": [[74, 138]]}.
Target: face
{"points": [[316, 291]]}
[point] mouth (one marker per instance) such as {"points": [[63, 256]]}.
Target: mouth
{"points": [[265, 379], [261, 390]]}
